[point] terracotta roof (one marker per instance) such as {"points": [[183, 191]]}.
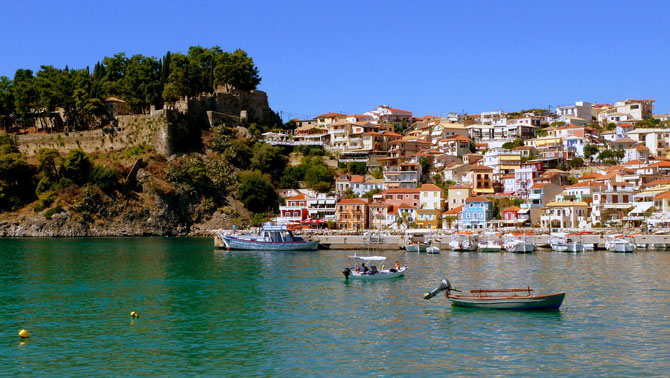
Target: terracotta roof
{"points": [[430, 188], [330, 115], [482, 168], [511, 208], [454, 211], [401, 190], [635, 162], [406, 206], [623, 140], [584, 184], [659, 182], [539, 185], [300, 196], [455, 138], [626, 124], [662, 195], [640, 147], [477, 199], [360, 201], [660, 164], [398, 111], [357, 178], [459, 186]]}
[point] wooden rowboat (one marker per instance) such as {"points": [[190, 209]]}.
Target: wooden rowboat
{"points": [[499, 299]]}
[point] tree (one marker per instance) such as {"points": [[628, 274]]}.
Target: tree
{"points": [[371, 193], [256, 192], [605, 155], [349, 193], [378, 174], [319, 177], [518, 142], [268, 159], [6, 103], [576, 162], [590, 150], [236, 70], [356, 168], [292, 177], [425, 165], [572, 180], [76, 166]]}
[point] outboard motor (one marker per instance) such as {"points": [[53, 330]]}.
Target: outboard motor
{"points": [[444, 285], [373, 269], [346, 272]]}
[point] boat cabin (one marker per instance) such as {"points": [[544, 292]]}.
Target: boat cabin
{"points": [[276, 233]]}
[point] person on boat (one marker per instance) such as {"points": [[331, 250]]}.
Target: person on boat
{"points": [[364, 269], [397, 265]]}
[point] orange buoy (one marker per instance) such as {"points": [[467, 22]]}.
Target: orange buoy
{"points": [[24, 334]]}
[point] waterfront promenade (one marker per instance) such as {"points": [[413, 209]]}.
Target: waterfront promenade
{"points": [[395, 239]]}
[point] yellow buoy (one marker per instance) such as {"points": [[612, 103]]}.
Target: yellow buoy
{"points": [[134, 314], [24, 334]]}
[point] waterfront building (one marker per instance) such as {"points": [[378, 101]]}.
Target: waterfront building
{"points": [[322, 206], [481, 178], [295, 210], [565, 214], [352, 214], [450, 218], [396, 196], [476, 213], [511, 215], [378, 212], [540, 195], [457, 194]]}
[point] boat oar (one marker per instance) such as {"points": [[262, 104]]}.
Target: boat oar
{"points": [[444, 285]]}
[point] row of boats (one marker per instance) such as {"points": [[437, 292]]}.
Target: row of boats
{"points": [[279, 238]]}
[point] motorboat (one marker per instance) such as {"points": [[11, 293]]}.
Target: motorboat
{"points": [[489, 246], [498, 299], [564, 243], [558, 244], [371, 271], [416, 247], [432, 249], [518, 244], [271, 237], [463, 242], [620, 243]]}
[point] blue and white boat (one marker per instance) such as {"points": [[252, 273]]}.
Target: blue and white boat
{"points": [[270, 238]]}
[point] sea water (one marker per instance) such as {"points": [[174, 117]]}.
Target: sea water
{"points": [[269, 314]]}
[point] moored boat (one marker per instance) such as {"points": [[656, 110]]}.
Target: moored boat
{"points": [[518, 244], [270, 238], [499, 299], [464, 242], [371, 272], [416, 247], [620, 243], [432, 249], [489, 246]]}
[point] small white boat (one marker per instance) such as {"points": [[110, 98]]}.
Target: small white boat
{"points": [[432, 249], [518, 244], [464, 242], [558, 244], [271, 238], [416, 247], [499, 299], [370, 272], [619, 243], [489, 246]]}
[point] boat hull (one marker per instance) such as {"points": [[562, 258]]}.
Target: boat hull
{"points": [[521, 247], [231, 242], [416, 247], [535, 302], [380, 275], [432, 250], [490, 249]]}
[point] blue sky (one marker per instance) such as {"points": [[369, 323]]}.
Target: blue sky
{"points": [[350, 56]]}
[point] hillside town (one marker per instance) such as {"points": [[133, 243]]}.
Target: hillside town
{"points": [[577, 166]]}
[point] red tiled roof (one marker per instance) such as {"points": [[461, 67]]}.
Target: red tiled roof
{"points": [[300, 196], [430, 188], [477, 199], [511, 208], [360, 201], [539, 185], [454, 211], [662, 195], [481, 168], [330, 115], [357, 178], [401, 190], [398, 111]]}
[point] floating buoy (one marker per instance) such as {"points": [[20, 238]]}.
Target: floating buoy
{"points": [[134, 314], [24, 334]]}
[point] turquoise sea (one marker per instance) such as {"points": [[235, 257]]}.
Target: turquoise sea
{"points": [[208, 312]]}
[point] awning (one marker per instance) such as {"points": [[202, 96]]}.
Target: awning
{"points": [[641, 208], [523, 211]]}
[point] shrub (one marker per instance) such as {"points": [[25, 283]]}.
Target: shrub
{"points": [[256, 192], [106, 179], [54, 210]]}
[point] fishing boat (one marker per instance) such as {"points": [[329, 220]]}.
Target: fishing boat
{"points": [[463, 242], [271, 237], [416, 247], [432, 249], [498, 299], [518, 244], [619, 243], [558, 244], [563, 243], [359, 270], [489, 246]]}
